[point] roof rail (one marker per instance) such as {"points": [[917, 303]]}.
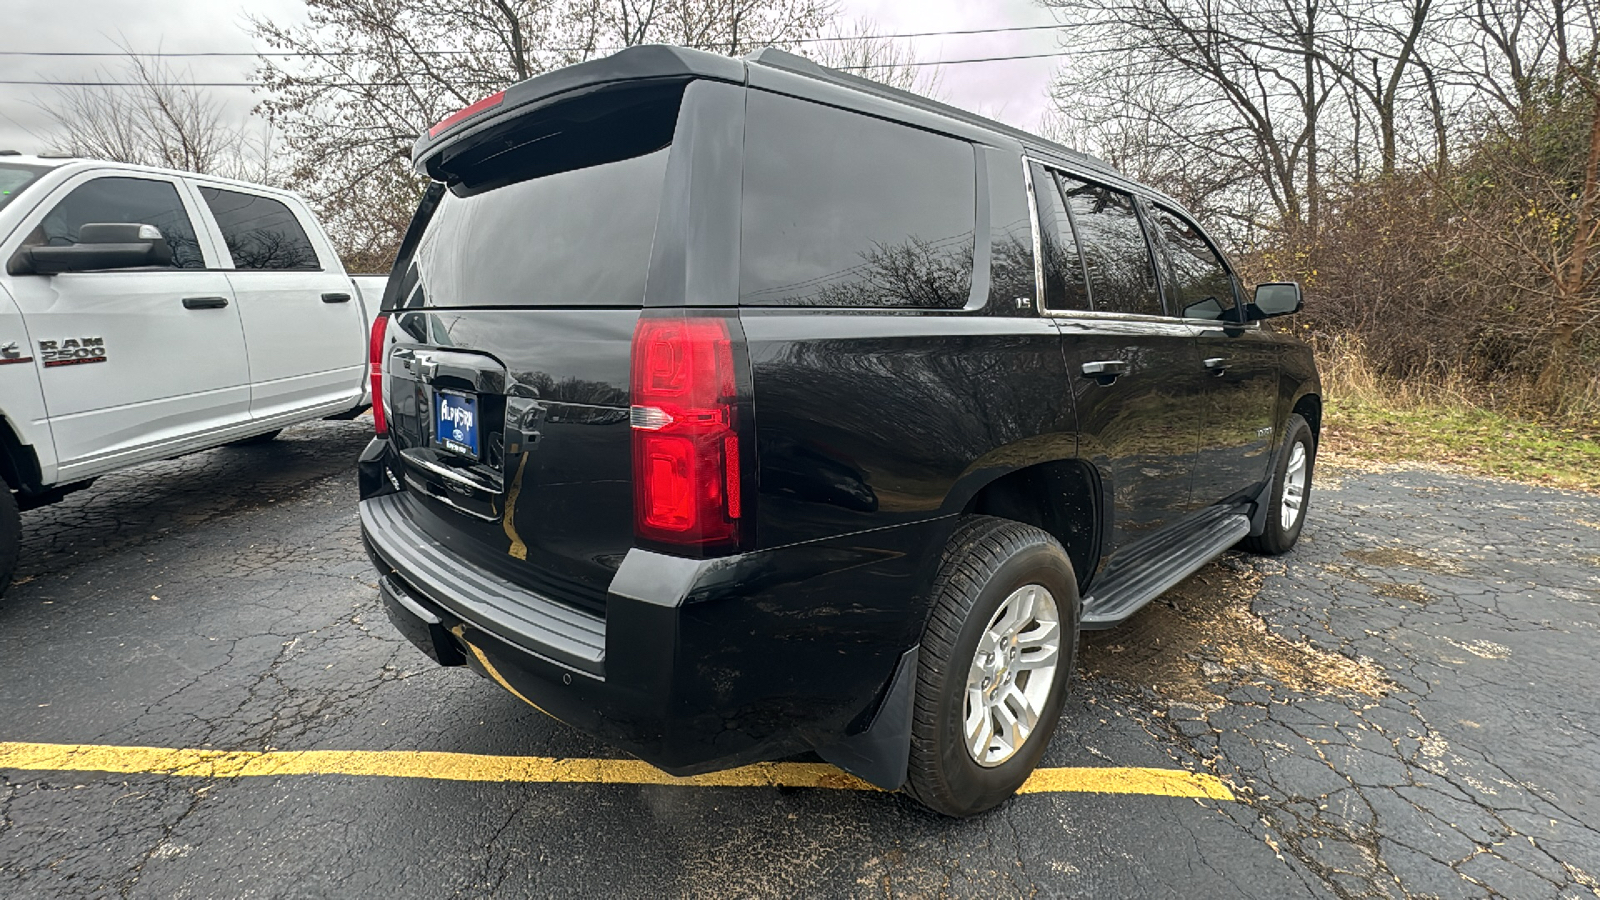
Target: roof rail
{"points": [[800, 65], [10, 152]]}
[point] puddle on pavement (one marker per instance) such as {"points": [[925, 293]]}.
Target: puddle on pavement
{"points": [[1201, 638]]}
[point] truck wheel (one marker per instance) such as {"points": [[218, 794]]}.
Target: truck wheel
{"points": [[1291, 492], [254, 439], [993, 667], [10, 536]]}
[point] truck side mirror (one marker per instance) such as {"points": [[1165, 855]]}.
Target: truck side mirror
{"points": [[1276, 299], [101, 245]]}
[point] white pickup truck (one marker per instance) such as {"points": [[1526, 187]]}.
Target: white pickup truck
{"points": [[145, 314]]}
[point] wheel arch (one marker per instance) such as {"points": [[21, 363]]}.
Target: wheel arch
{"points": [[19, 464], [1063, 497]]}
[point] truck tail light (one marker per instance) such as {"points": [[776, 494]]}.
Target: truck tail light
{"points": [[375, 354], [687, 489]]}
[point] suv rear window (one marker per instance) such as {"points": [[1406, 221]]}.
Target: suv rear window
{"points": [[565, 218], [844, 210]]}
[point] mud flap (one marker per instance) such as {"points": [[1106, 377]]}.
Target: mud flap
{"points": [[881, 753]]}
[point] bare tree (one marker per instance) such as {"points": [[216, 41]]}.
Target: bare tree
{"points": [[1242, 80], [370, 75], [154, 116], [852, 46]]}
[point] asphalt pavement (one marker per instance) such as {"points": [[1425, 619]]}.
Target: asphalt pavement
{"points": [[1405, 705]]}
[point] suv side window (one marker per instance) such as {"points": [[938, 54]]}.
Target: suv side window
{"points": [[1200, 286], [1011, 272], [261, 233], [1122, 273], [1065, 284], [844, 210], [122, 200]]}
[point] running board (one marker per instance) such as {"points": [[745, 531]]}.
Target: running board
{"points": [[1113, 602]]}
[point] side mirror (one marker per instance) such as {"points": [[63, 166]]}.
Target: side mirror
{"points": [[119, 245], [1276, 299]]}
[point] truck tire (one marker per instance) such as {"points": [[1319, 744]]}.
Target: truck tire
{"points": [[998, 649], [10, 536], [1291, 492], [252, 440]]}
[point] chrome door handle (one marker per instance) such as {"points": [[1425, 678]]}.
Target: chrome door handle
{"points": [[1104, 371], [1217, 365], [204, 302]]}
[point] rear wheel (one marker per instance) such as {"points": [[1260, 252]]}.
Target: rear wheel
{"points": [[993, 668], [264, 438], [10, 536], [1291, 491]]}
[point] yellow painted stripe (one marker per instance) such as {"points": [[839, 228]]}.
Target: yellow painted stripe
{"points": [[543, 770]]}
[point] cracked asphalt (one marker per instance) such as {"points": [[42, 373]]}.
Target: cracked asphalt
{"points": [[1405, 705]]}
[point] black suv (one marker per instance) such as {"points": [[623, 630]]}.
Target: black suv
{"points": [[730, 409]]}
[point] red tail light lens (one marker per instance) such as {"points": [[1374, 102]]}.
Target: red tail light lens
{"points": [[375, 353], [686, 448]]}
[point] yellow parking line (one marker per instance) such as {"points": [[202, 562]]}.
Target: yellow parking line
{"points": [[543, 770]]}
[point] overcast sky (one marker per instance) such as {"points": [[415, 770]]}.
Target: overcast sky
{"points": [[1013, 91]]}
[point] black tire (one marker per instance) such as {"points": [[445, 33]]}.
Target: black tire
{"points": [[254, 439], [985, 561], [10, 536], [1275, 538]]}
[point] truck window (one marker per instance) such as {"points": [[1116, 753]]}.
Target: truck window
{"points": [[122, 200], [1200, 286], [1065, 284], [1122, 274], [261, 233], [14, 177], [845, 210]]}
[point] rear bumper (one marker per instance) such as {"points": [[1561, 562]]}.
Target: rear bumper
{"points": [[697, 665]]}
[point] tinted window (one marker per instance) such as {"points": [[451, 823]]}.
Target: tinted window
{"points": [[122, 200], [14, 177], [581, 237], [1011, 271], [1122, 277], [842, 209], [1200, 287], [261, 233], [1064, 280]]}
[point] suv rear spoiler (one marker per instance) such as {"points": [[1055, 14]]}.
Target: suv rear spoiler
{"points": [[643, 63]]}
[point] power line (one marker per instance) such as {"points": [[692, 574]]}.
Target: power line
{"points": [[308, 53], [362, 84]]}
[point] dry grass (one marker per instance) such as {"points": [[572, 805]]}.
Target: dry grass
{"points": [[1454, 422]]}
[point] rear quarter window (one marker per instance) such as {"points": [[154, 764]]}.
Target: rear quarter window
{"points": [[844, 210], [261, 233]]}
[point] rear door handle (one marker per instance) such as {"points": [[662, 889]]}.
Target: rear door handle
{"points": [[1104, 371], [204, 302], [1217, 365], [335, 298]]}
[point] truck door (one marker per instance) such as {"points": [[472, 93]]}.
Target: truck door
{"points": [[1239, 362], [1132, 368], [302, 322], [134, 363]]}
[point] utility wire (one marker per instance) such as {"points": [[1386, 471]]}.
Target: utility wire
{"points": [[300, 53], [361, 84]]}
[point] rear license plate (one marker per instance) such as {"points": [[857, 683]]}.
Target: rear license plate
{"points": [[456, 422]]}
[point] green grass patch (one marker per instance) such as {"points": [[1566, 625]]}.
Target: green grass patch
{"points": [[1475, 439]]}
